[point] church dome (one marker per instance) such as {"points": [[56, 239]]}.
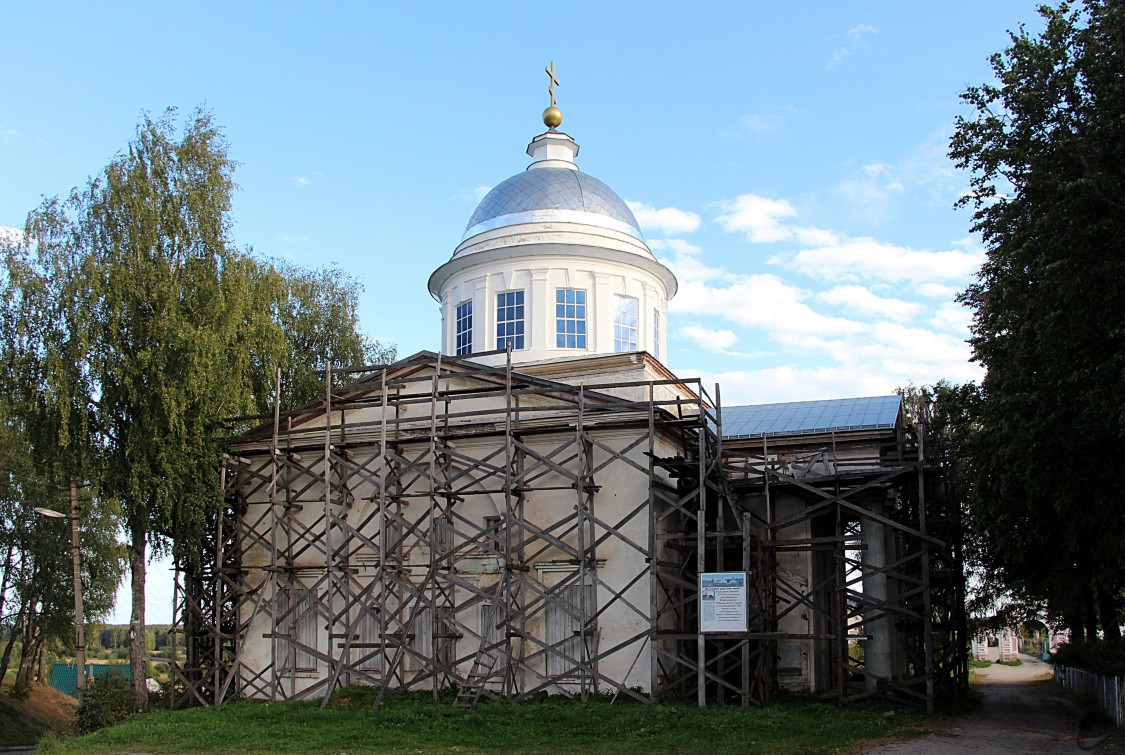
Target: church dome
{"points": [[561, 194], [552, 265]]}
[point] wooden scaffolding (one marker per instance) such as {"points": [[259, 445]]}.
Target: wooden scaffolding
{"points": [[444, 524], [881, 530]]}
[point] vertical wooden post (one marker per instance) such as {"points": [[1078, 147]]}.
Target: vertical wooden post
{"points": [[927, 608], [79, 621]]}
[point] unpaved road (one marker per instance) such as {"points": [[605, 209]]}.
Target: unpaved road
{"points": [[1017, 716]]}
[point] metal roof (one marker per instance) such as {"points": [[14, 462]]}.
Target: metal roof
{"points": [[552, 189], [811, 417]]}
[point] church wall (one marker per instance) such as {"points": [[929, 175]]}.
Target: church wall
{"points": [[622, 489]]}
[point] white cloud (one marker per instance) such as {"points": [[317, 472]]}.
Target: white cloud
{"points": [[760, 125], [933, 290], [289, 238], [763, 221], [760, 218], [480, 192], [762, 301], [867, 258], [860, 300], [670, 220], [792, 383], [711, 340], [856, 34], [952, 316], [925, 174], [861, 30], [307, 180], [8, 133], [677, 246], [874, 345]]}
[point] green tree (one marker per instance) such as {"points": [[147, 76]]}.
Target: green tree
{"points": [[1045, 147], [134, 329], [317, 310], [36, 582]]}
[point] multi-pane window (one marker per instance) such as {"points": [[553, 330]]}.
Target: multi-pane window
{"points": [[509, 320], [464, 328], [624, 323], [570, 318], [656, 333]]}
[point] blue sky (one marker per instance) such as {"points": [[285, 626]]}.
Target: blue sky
{"points": [[787, 161]]}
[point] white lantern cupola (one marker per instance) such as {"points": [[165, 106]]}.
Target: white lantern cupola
{"points": [[552, 265]]}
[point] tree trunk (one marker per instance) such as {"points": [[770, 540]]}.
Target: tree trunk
{"points": [[6, 659], [1089, 615], [137, 623], [4, 582], [27, 654], [1075, 623], [1107, 609]]}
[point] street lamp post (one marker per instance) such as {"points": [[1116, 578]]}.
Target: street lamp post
{"points": [[76, 557]]}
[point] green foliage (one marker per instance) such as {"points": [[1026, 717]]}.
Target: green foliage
{"points": [[106, 701], [1100, 657], [1045, 147], [413, 722], [132, 328], [318, 314]]}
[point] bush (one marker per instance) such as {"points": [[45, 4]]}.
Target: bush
{"points": [[1100, 657], [106, 701]]}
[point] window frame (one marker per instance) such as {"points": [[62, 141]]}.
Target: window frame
{"points": [[624, 307], [513, 303], [463, 328], [576, 338]]}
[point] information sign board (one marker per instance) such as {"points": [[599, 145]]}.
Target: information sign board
{"points": [[722, 601]]}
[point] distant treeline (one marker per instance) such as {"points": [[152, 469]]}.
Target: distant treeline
{"points": [[106, 641]]}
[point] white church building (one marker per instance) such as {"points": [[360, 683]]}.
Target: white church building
{"points": [[544, 506]]}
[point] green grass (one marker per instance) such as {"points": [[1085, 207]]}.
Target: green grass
{"points": [[1013, 662], [414, 723], [979, 664]]}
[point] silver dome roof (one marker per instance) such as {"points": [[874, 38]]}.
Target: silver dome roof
{"points": [[552, 189]]}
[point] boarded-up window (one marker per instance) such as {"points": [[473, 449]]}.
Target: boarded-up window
{"points": [[491, 634], [423, 641], [392, 539], [565, 617], [296, 623], [369, 658]]}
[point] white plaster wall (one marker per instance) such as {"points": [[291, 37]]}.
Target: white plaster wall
{"points": [[539, 276], [623, 489]]}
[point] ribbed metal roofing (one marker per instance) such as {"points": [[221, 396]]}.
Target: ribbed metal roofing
{"points": [[809, 417], [552, 189]]}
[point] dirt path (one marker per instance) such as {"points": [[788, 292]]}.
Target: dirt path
{"points": [[1017, 716]]}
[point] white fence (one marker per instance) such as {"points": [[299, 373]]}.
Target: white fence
{"points": [[1106, 692]]}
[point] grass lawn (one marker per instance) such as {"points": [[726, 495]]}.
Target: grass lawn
{"points": [[414, 723]]}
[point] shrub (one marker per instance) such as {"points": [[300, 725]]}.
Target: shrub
{"points": [[1100, 657], [105, 702]]}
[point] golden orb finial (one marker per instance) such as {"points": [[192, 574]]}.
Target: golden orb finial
{"points": [[552, 117]]}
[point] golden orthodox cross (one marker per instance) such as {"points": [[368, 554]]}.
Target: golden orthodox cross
{"points": [[554, 82]]}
